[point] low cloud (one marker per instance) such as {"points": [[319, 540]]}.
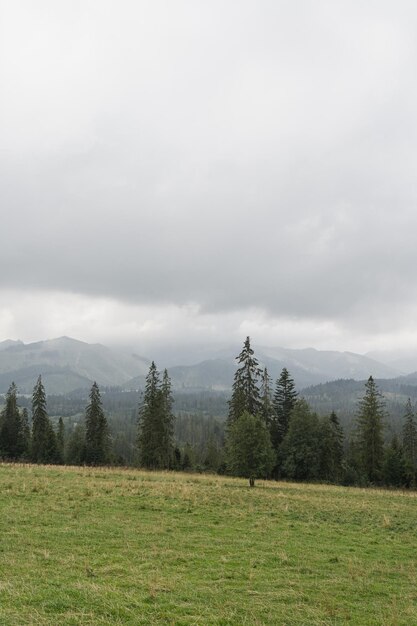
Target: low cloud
{"points": [[199, 170]]}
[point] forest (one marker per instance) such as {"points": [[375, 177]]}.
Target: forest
{"points": [[265, 429]]}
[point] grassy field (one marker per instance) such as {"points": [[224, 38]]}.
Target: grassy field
{"points": [[100, 546]]}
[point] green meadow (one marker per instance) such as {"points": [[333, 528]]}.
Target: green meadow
{"points": [[111, 546]]}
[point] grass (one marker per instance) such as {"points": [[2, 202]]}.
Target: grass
{"points": [[112, 546]]}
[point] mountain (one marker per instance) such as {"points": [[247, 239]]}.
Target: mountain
{"points": [[403, 359], [9, 343], [307, 367], [65, 365], [68, 364], [342, 396], [324, 365]]}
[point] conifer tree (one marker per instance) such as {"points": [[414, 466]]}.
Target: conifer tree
{"points": [[155, 433], [249, 451], [43, 448], [26, 434], [410, 444], [60, 440], [331, 444], [97, 439], [267, 408], [12, 440], [167, 420], [245, 390], [394, 467], [369, 431], [75, 449], [285, 397], [300, 449]]}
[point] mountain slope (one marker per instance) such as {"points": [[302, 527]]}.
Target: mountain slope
{"points": [[307, 367], [66, 364]]}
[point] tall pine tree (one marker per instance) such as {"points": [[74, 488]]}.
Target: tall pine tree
{"points": [[267, 407], [60, 440], [26, 433], [97, 438], [167, 420], [331, 443], [285, 397], [155, 432], [44, 445], [410, 444], [249, 452], [300, 449], [369, 431], [245, 390], [12, 432]]}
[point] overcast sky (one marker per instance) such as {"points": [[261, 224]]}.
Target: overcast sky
{"points": [[190, 172]]}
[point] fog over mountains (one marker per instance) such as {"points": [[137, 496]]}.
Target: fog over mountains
{"points": [[68, 364]]}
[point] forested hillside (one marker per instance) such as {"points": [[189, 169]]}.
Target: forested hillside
{"points": [[345, 431]]}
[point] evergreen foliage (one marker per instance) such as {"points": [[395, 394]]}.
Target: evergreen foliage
{"points": [[300, 450], [75, 448], [331, 443], [245, 390], [285, 397], [249, 451], [394, 467], [97, 438], [267, 408], [13, 442], [26, 436], [155, 435], [167, 419], [44, 444], [369, 431], [60, 440], [410, 444]]}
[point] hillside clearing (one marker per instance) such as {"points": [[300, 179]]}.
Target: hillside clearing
{"points": [[110, 546]]}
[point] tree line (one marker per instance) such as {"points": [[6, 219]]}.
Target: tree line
{"points": [[270, 432], [275, 434]]}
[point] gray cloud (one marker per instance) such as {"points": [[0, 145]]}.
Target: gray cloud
{"points": [[226, 156]]}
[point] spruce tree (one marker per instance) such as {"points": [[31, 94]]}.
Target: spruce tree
{"points": [[394, 467], [75, 449], [300, 449], [285, 397], [167, 421], [331, 444], [97, 439], [267, 408], [12, 436], [410, 444], [156, 422], [26, 433], [369, 431], [245, 390], [249, 451], [43, 446], [60, 439]]}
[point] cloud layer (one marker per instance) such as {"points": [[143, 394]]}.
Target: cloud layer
{"points": [[224, 161]]}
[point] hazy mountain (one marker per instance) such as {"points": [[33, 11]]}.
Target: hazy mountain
{"points": [[343, 396], [328, 364], [65, 364], [8, 343], [403, 360], [307, 367]]}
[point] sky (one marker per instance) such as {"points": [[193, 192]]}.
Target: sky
{"points": [[178, 174]]}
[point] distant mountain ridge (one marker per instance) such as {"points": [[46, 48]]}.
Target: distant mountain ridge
{"points": [[67, 364], [307, 367]]}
